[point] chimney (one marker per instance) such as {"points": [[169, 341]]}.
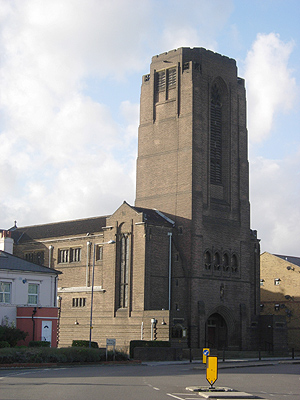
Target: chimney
{"points": [[6, 242]]}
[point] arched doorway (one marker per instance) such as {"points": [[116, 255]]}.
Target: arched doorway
{"points": [[216, 332]]}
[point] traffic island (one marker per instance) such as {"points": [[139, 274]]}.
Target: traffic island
{"points": [[219, 393]]}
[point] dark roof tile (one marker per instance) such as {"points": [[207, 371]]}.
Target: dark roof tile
{"points": [[10, 262], [58, 229], [292, 260]]}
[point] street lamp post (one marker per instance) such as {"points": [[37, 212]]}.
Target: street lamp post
{"points": [[92, 293]]}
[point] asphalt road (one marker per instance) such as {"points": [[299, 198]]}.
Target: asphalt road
{"points": [[153, 381]]}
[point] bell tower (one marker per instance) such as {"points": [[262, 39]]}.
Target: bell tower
{"points": [[193, 165]]}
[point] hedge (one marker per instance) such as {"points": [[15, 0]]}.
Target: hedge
{"points": [[147, 343], [84, 343], [38, 343]]}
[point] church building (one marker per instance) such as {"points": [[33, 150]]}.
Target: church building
{"points": [[182, 264]]}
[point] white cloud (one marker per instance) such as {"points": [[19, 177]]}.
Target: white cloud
{"points": [[59, 148], [275, 196], [271, 87], [195, 24]]}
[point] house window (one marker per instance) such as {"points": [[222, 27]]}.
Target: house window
{"points": [[124, 271], [63, 256], [277, 281], [5, 290], [215, 137], [78, 302], [33, 292], [262, 281], [75, 254], [99, 252]]}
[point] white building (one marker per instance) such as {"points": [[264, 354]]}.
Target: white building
{"points": [[28, 293]]}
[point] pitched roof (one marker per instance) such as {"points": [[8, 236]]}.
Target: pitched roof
{"points": [[80, 226], [10, 262], [154, 216], [58, 229], [292, 260]]}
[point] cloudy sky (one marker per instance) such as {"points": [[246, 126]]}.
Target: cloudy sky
{"points": [[70, 77]]}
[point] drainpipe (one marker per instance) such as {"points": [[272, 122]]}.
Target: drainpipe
{"points": [[50, 255], [55, 292], [33, 322], [170, 267], [88, 244]]}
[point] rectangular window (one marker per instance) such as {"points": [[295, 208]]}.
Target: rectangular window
{"points": [[99, 252], [75, 254], [33, 293], [78, 302], [63, 256], [161, 80], [5, 290], [29, 257], [171, 78]]}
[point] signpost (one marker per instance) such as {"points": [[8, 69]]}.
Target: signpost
{"points": [[109, 343], [206, 353], [212, 370]]}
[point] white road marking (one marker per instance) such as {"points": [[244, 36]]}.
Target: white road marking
{"points": [[175, 397]]}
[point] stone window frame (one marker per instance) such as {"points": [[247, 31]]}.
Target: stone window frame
{"points": [[124, 270], [75, 254], [79, 302], [226, 261], [234, 263], [207, 259], [217, 261], [215, 136], [165, 80], [99, 252], [63, 256]]}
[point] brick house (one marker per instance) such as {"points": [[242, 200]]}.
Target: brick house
{"points": [[279, 291], [193, 266]]}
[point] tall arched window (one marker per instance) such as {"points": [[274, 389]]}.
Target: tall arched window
{"points": [[215, 136], [234, 263], [217, 261], [124, 271], [207, 260], [225, 262]]}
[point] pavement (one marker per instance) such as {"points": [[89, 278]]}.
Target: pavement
{"points": [[232, 363]]}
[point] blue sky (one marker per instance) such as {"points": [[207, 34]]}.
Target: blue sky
{"points": [[70, 77]]}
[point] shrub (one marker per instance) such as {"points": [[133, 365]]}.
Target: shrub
{"points": [[11, 335], [147, 343], [84, 343], [67, 355], [38, 343], [3, 344]]}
